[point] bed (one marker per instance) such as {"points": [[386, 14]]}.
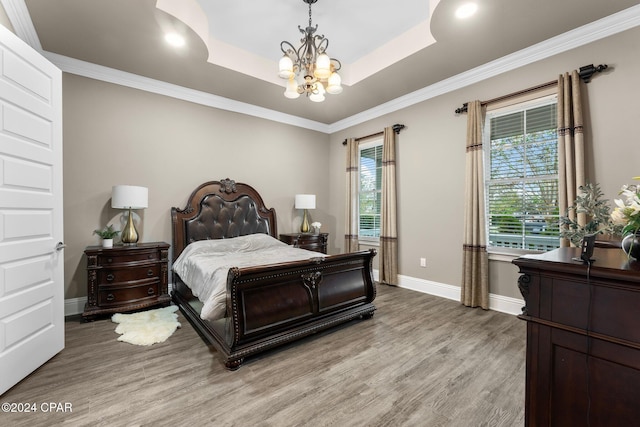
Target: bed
{"points": [[265, 306]]}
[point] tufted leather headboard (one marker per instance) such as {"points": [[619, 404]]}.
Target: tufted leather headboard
{"points": [[218, 210]]}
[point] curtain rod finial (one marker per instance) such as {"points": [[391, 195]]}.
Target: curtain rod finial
{"points": [[589, 70], [462, 109], [397, 128]]}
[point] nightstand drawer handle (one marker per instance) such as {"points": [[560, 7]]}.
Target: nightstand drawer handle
{"points": [[110, 297], [150, 256], [109, 259], [151, 291], [150, 272], [110, 277]]}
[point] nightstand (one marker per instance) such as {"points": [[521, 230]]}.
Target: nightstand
{"points": [[126, 278], [313, 242]]}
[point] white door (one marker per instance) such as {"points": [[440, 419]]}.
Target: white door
{"points": [[31, 265]]}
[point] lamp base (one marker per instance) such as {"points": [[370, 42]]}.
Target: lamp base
{"points": [[129, 233], [304, 228]]}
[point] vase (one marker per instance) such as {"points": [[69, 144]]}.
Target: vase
{"points": [[107, 243], [631, 245]]}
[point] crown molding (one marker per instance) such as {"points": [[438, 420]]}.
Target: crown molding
{"points": [[605, 27], [135, 81], [18, 14]]}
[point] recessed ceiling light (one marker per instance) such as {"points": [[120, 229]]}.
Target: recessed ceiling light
{"points": [[466, 10], [174, 39]]}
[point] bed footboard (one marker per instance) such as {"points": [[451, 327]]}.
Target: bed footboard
{"points": [[276, 304]]}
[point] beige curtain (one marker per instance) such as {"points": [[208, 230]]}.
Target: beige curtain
{"points": [[475, 263], [571, 163], [388, 230], [351, 211]]}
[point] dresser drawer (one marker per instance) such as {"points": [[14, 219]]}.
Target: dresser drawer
{"points": [[119, 258], [112, 276], [128, 294]]}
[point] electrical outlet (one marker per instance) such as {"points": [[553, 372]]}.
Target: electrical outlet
{"points": [[423, 262]]}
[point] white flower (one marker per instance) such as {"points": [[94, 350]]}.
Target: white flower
{"points": [[316, 225], [627, 213], [617, 216]]}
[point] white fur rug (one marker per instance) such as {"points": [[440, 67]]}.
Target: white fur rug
{"points": [[147, 327]]}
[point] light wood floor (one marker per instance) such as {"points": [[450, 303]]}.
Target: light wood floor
{"points": [[420, 361]]}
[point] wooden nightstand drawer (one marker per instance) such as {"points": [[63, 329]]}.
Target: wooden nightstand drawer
{"points": [[106, 260], [127, 295], [126, 278], [311, 242], [111, 276]]}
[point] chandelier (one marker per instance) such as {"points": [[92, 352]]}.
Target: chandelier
{"points": [[309, 69]]}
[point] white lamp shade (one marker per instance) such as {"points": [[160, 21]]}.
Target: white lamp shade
{"points": [[333, 85], [129, 196], [305, 201], [323, 66], [285, 67], [292, 89], [319, 95]]}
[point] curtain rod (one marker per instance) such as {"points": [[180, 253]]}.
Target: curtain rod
{"points": [[396, 128], [585, 74]]}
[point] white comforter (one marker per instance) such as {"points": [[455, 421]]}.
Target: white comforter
{"points": [[204, 265]]}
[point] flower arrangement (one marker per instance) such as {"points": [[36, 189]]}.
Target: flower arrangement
{"points": [[316, 226], [627, 213]]}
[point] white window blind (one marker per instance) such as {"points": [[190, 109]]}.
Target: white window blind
{"points": [[521, 177], [370, 190]]}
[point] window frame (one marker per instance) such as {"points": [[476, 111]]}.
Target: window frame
{"points": [[519, 106], [373, 142]]}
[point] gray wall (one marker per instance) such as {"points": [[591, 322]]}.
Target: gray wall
{"points": [[117, 135], [431, 153]]}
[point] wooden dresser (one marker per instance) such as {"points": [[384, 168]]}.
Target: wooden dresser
{"points": [[313, 242], [583, 338], [126, 278]]}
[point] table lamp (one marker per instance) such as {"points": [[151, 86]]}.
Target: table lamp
{"points": [[129, 197], [305, 201]]}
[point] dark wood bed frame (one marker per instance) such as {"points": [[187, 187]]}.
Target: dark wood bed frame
{"points": [[269, 305]]}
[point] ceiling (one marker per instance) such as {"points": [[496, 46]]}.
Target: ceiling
{"points": [[388, 49]]}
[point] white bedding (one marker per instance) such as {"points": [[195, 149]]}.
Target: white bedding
{"points": [[204, 265]]}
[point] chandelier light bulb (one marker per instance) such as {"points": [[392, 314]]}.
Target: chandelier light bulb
{"points": [[286, 67], [318, 94], [334, 84], [323, 66], [292, 89]]}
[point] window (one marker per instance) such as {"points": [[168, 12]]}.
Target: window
{"points": [[370, 190], [521, 177]]}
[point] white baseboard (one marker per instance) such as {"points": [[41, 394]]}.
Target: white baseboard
{"points": [[499, 303], [73, 306]]}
